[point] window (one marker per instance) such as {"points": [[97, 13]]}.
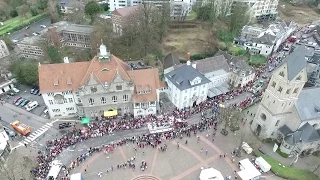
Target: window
{"points": [[281, 73], [137, 104], [55, 110], [79, 100], [114, 99], [277, 123], [296, 90], [50, 94], [70, 100], [125, 98], [152, 103], [263, 116], [91, 101], [280, 89], [50, 102], [65, 100], [288, 91], [274, 84], [70, 109], [103, 100], [118, 87], [299, 78]]}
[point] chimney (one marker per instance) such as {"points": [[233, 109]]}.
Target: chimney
{"points": [[66, 60], [194, 65], [188, 63], [188, 56]]}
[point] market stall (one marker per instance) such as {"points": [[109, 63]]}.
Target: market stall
{"points": [[248, 170], [263, 164], [210, 174]]}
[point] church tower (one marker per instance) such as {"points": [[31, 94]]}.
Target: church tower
{"points": [[281, 94]]}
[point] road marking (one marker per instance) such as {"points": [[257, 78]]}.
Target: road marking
{"points": [[33, 136], [20, 144]]}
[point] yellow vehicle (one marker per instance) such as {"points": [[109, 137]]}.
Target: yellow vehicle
{"points": [[21, 128]]}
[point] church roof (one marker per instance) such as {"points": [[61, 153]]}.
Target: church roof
{"points": [[308, 104], [296, 61], [305, 133], [182, 76]]}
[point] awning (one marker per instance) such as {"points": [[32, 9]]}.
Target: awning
{"points": [[215, 91], [85, 120], [110, 113]]}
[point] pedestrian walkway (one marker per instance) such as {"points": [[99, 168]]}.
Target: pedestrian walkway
{"points": [[33, 136]]}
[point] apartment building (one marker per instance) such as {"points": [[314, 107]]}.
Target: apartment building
{"points": [[30, 47], [3, 49]]}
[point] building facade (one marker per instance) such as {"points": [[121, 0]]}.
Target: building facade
{"points": [[93, 88], [187, 87], [4, 51], [4, 144]]}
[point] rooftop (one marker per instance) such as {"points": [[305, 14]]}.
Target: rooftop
{"points": [[212, 64], [307, 104], [305, 133], [170, 60], [182, 76], [126, 11], [65, 26], [296, 61]]}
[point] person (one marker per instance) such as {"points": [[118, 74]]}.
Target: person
{"points": [[186, 142], [177, 145], [206, 152]]}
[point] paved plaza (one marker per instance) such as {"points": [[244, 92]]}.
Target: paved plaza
{"points": [[176, 163]]}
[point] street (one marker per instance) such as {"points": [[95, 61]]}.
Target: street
{"points": [[35, 27]]}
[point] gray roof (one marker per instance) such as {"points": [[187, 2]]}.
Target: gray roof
{"points": [[212, 64], [182, 76], [170, 60], [266, 38], [305, 133], [307, 103], [296, 61], [79, 28], [285, 130]]}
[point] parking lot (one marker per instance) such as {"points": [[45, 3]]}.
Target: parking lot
{"points": [[25, 94]]}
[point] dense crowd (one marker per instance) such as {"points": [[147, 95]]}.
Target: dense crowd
{"points": [[106, 127]]}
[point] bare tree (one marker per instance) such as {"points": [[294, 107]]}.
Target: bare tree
{"points": [[17, 167], [53, 10], [229, 117]]}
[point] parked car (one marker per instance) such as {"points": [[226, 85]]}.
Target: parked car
{"points": [[133, 66], [25, 102], [15, 90], [27, 27], [10, 132], [33, 89], [64, 125], [26, 35], [11, 93], [19, 102], [16, 100], [43, 26], [141, 63], [35, 92], [35, 34]]}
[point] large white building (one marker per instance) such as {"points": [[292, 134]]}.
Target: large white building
{"points": [[187, 87], [288, 112], [4, 51], [93, 88]]}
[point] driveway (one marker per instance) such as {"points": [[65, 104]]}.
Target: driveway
{"points": [[35, 27]]}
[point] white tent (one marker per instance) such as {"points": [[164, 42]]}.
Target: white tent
{"points": [[76, 176], [54, 170], [265, 167], [248, 171], [210, 174]]}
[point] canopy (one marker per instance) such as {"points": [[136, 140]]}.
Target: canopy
{"points": [[264, 165], [55, 169], [248, 171], [85, 120], [110, 113], [210, 174], [76, 176]]}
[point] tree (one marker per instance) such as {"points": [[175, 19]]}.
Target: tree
{"points": [[238, 17], [23, 10], [8, 42], [104, 6], [42, 4], [53, 54], [229, 116], [14, 13], [92, 8], [26, 72], [245, 135], [53, 10]]}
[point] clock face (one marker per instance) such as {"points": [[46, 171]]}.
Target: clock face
{"points": [[93, 89]]}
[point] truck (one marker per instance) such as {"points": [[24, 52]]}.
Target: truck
{"points": [[77, 176], [21, 128]]}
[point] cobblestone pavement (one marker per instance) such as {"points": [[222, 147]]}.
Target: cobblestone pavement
{"points": [[184, 162]]}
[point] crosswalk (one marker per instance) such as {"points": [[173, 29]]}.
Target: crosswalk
{"points": [[33, 136]]}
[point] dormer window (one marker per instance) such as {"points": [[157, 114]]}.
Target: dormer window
{"points": [[118, 87], [104, 69], [93, 89], [281, 73]]}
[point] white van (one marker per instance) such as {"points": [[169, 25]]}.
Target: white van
{"points": [[15, 90], [55, 169], [32, 105]]}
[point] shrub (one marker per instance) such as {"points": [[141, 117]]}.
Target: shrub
{"points": [[197, 56], [224, 35], [222, 46], [14, 13], [282, 153], [268, 140]]}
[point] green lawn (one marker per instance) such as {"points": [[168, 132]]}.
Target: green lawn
{"points": [[287, 171], [19, 22], [257, 60], [235, 50]]}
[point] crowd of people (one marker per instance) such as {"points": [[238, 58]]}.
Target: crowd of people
{"points": [[106, 127]]}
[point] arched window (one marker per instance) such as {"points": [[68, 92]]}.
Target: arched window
{"points": [[103, 100], [114, 99]]}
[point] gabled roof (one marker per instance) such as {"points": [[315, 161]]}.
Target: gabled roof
{"points": [[285, 130], [266, 38], [296, 61], [126, 11], [212, 64], [170, 60], [145, 79], [307, 103], [184, 75], [57, 77], [305, 133]]}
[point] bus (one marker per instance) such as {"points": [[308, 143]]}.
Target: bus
{"points": [[21, 128]]}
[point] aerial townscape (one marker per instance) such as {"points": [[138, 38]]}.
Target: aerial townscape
{"points": [[159, 90]]}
